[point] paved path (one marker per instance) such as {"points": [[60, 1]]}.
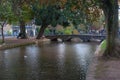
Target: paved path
{"points": [[18, 41], [100, 69]]}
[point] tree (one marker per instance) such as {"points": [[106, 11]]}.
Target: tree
{"points": [[49, 15], [2, 32], [89, 10], [110, 8], [22, 14], [5, 15]]}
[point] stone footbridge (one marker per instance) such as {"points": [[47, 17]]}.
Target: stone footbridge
{"points": [[84, 37]]}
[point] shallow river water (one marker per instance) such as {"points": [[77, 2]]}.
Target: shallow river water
{"points": [[47, 61]]}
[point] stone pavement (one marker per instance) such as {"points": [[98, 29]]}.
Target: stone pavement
{"points": [[100, 69], [14, 42]]}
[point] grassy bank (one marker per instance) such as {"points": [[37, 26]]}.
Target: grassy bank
{"points": [[103, 45]]}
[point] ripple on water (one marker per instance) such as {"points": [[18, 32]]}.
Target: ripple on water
{"points": [[56, 61]]}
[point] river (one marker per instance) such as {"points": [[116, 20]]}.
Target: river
{"points": [[47, 61]]}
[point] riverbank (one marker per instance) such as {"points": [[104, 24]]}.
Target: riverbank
{"points": [[13, 42], [100, 69]]}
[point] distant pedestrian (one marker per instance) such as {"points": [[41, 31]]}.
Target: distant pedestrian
{"points": [[19, 35]]}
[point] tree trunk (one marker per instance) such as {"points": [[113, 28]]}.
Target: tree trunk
{"points": [[2, 31], [22, 33], [41, 32], [3, 40], [111, 15]]}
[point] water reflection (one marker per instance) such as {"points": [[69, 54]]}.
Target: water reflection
{"points": [[51, 61]]}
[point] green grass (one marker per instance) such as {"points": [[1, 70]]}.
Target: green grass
{"points": [[0, 41], [103, 45]]}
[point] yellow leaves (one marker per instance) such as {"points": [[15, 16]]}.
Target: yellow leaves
{"points": [[82, 27], [62, 3], [87, 11], [59, 28], [68, 30], [69, 27], [47, 2], [75, 31], [96, 25], [93, 13], [73, 8]]}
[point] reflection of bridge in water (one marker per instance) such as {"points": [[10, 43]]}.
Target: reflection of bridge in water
{"points": [[84, 37]]}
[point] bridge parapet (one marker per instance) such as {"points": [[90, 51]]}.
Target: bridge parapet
{"points": [[84, 37]]}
